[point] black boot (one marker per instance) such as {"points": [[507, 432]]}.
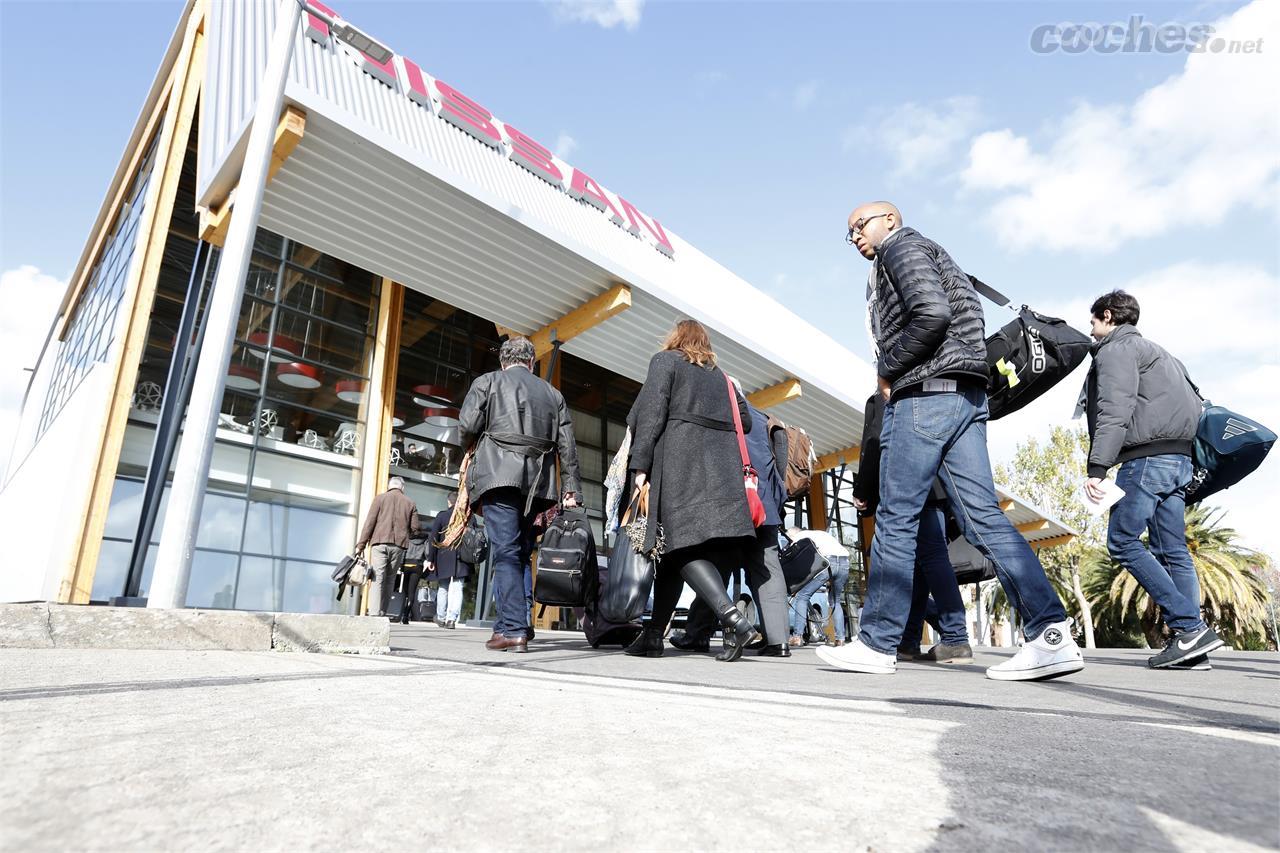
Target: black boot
{"points": [[685, 643], [647, 645], [738, 634], [404, 611], [707, 583]]}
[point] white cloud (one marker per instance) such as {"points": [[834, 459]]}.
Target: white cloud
{"points": [[918, 137], [1193, 148], [565, 145], [28, 300], [606, 13], [805, 94], [1233, 354]]}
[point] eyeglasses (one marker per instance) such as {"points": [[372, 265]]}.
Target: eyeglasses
{"points": [[858, 226]]}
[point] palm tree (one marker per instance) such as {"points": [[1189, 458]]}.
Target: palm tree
{"points": [[1233, 595]]}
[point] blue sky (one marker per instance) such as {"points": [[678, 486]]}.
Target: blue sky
{"points": [[751, 129]]}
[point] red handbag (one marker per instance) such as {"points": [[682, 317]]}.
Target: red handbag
{"points": [[750, 479]]}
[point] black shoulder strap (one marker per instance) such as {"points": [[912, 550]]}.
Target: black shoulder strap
{"points": [[988, 291]]}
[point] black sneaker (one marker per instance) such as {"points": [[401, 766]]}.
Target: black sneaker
{"points": [[1184, 646], [908, 653], [943, 653], [1200, 664]]}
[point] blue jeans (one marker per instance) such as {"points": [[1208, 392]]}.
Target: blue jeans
{"points": [[835, 597], [511, 538], [1155, 491], [934, 575], [943, 435]]}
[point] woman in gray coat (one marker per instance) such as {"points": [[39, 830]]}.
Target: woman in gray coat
{"points": [[685, 446]]}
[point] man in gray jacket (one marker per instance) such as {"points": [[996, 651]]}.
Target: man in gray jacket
{"points": [[1142, 413], [515, 422]]}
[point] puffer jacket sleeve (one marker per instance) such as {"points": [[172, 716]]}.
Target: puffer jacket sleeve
{"points": [[650, 411], [473, 417], [915, 272], [570, 478], [1116, 370]]}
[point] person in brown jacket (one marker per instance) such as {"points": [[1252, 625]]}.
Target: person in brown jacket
{"points": [[392, 519]]}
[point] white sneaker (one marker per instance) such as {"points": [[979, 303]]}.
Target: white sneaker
{"points": [[855, 657], [1051, 654]]}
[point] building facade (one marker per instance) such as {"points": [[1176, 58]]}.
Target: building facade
{"points": [[405, 231]]}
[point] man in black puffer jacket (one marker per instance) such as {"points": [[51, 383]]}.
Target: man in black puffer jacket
{"points": [[927, 332]]}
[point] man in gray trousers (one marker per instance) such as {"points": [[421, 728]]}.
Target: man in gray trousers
{"points": [[768, 451], [392, 519]]}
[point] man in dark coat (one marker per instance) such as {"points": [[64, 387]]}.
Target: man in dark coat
{"points": [[1143, 413], [927, 334], [515, 421], [449, 571]]}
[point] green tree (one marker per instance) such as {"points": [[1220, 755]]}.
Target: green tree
{"points": [[1232, 588], [1050, 475]]}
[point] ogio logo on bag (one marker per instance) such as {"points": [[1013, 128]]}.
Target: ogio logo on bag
{"points": [[1053, 636], [1236, 428], [1037, 350]]}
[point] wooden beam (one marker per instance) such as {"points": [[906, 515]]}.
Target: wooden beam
{"points": [[587, 316], [1054, 542], [504, 332], [817, 503], [289, 132], [837, 458], [1033, 526], [774, 395], [379, 404], [136, 303], [1006, 505]]}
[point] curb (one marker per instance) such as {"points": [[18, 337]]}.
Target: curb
{"points": [[42, 625]]}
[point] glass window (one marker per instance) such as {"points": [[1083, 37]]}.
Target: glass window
{"points": [[91, 330], [213, 579], [113, 567], [221, 522]]}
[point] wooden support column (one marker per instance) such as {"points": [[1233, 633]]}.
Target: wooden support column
{"points": [[289, 132], [379, 404], [136, 302], [847, 456], [817, 503], [587, 316], [551, 614], [775, 395]]}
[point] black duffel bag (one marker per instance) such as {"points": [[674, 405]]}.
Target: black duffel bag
{"points": [[567, 572], [1028, 356], [801, 563]]}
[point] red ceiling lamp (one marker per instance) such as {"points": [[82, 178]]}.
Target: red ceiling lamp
{"points": [[442, 417], [242, 377], [432, 396], [288, 348], [296, 374], [350, 390]]}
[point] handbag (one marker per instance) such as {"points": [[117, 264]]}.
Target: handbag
{"points": [[473, 545], [750, 479], [801, 563], [630, 574], [352, 570]]}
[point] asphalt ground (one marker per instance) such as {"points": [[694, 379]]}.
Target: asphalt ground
{"points": [[444, 745]]}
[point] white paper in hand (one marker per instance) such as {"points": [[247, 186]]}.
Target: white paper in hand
{"points": [[1111, 494]]}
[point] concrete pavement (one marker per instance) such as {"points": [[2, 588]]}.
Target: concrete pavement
{"points": [[447, 746]]}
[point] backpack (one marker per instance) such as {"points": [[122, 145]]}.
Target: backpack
{"points": [[1028, 356], [567, 573], [800, 458], [1228, 447], [473, 546]]}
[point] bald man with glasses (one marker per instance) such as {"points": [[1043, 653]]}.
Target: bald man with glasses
{"points": [[927, 335]]}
